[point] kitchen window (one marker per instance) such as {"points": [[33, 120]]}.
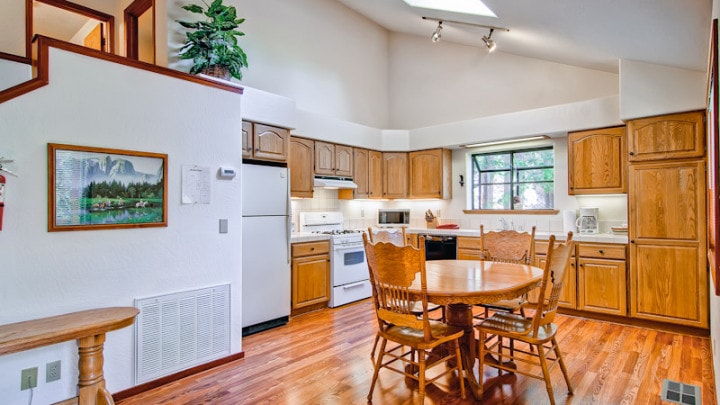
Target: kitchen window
{"points": [[513, 180]]}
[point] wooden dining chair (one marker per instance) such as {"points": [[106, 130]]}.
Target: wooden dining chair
{"points": [[393, 270], [507, 246], [538, 331], [397, 238]]}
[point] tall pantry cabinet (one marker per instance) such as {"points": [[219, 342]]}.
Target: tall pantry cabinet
{"points": [[668, 221]]}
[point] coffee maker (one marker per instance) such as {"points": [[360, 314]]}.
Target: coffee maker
{"points": [[587, 222]]}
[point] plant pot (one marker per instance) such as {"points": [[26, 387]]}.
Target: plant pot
{"points": [[218, 71]]}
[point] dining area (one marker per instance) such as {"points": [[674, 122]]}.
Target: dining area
{"points": [[490, 307]]}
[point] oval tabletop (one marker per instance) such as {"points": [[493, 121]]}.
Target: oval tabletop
{"points": [[477, 282]]}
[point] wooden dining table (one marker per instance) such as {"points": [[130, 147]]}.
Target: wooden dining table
{"points": [[460, 284]]}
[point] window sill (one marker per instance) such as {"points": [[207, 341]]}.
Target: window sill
{"points": [[512, 212]]}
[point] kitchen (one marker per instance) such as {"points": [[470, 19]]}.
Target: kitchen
{"points": [[322, 109]]}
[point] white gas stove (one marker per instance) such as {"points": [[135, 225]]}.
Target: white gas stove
{"points": [[348, 268]]}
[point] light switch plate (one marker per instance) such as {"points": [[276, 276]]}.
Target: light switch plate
{"points": [[223, 226]]}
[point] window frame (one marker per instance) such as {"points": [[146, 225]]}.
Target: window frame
{"points": [[514, 183]]}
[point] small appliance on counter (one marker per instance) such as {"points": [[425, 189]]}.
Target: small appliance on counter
{"points": [[587, 223]]}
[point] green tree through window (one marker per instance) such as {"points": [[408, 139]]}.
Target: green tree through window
{"points": [[513, 180]]}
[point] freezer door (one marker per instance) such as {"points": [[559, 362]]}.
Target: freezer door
{"points": [[264, 190], [265, 269]]}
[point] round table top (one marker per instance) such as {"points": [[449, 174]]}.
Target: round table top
{"points": [[477, 282]]}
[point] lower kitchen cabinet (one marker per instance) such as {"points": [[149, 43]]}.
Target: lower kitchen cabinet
{"points": [[310, 275], [601, 278], [468, 248], [568, 294]]}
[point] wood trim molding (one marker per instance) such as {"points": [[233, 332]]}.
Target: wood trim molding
{"points": [[42, 68], [512, 212], [138, 389], [15, 58], [131, 15]]}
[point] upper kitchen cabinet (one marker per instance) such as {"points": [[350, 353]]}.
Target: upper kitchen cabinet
{"points": [[333, 160], [375, 177], [666, 137], [395, 174], [597, 161], [264, 142], [302, 155], [361, 161], [430, 173]]}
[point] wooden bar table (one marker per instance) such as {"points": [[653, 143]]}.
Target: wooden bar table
{"points": [[460, 284], [88, 328]]}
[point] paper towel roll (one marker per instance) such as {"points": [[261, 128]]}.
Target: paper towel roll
{"points": [[569, 221]]}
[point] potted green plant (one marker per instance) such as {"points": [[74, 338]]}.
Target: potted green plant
{"points": [[212, 44]]}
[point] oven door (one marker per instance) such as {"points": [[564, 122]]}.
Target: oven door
{"points": [[348, 264]]}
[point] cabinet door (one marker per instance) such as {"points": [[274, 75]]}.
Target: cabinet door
{"points": [[411, 239], [602, 286], [596, 161], [302, 154], [668, 282], [324, 158], [568, 294], [429, 172], [666, 137], [395, 173], [468, 248], [271, 143], [375, 174], [343, 161], [361, 160], [311, 280], [247, 139]]}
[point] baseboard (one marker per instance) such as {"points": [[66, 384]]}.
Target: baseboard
{"points": [[138, 389], [663, 326]]}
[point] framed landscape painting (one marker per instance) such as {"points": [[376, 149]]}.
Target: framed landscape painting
{"points": [[97, 188]]}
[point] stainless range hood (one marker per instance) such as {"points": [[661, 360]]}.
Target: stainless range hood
{"points": [[333, 182]]}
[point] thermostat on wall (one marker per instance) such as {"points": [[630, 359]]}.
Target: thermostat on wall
{"points": [[226, 173]]}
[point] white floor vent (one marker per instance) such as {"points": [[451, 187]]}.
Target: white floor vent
{"points": [[181, 330], [681, 393]]}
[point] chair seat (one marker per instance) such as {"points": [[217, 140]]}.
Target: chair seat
{"points": [[441, 333], [517, 327], [505, 305]]}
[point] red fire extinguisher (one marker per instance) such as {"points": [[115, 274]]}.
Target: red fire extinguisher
{"points": [[2, 199]]}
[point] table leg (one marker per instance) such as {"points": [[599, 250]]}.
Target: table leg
{"points": [[91, 381], [461, 315]]}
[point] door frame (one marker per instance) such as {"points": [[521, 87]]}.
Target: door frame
{"points": [[132, 14]]}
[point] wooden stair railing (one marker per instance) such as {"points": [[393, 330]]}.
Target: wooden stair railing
{"points": [[88, 328], [41, 45]]}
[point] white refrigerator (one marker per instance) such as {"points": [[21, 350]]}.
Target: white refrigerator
{"points": [[266, 229]]}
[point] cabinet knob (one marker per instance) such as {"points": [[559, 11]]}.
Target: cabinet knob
{"points": [[632, 153], [632, 241], [602, 252], [312, 248]]}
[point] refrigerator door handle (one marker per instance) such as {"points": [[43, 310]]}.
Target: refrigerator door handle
{"points": [[288, 211]]}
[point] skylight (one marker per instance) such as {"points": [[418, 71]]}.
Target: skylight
{"points": [[475, 7]]}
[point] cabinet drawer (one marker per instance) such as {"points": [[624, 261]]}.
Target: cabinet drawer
{"points": [[469, 254], [468, 242], [602, 251], [310, 248]]}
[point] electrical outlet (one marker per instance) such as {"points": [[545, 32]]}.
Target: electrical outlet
{"points": [[52, 371], [28, 378]]}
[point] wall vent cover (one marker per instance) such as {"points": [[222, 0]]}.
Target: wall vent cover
{"points": [[177, 331], [681, 393]]}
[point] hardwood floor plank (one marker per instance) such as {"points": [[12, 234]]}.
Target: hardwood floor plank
{"points": [[323, 358]]}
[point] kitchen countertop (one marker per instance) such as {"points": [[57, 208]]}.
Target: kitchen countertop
{"points": [[600, 237], [298, 237]]}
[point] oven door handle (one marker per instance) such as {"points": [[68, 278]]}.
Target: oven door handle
{"points": [[353, 285]]}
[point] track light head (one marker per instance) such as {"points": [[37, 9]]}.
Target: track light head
{"points": [[435, 37], [489, 42]]}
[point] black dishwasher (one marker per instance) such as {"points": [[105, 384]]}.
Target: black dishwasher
{"points": [[440, 247]]}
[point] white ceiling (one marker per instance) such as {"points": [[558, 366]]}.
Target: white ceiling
{"points": [[593, 34]]}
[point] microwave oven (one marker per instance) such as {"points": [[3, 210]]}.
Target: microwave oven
{"points": [[393, 217]]}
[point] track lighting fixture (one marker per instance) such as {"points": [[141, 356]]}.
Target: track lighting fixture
{"points": [[489, 42], [487, 39], [435, 37]]}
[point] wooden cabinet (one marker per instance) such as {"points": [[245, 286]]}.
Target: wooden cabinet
{"points": [[302, 154], [333, 160], [375, 177], [468, 248], [601, 278], [664, 137], [264, 142], [395, 174], [430, 173], [310, 275], [597, 161], [411, 239], [568, 294], [361, 172], [667, 231]]}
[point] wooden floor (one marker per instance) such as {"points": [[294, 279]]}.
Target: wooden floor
{"points": [[324, 358]]}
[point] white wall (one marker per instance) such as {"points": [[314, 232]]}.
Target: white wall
{"points": [[96, 103], [13, 73], [439, 83], [647, 89], [12, 27]]}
